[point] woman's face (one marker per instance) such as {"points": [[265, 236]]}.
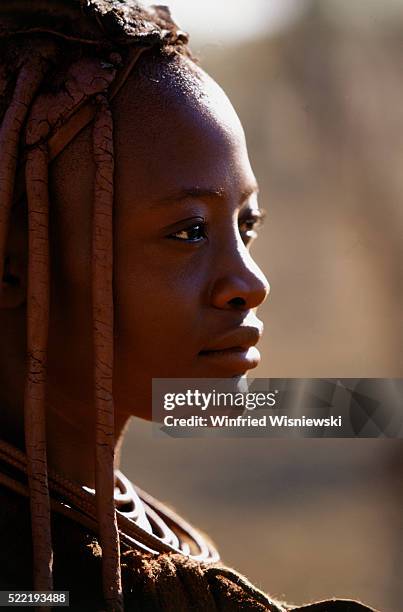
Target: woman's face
{"points": [[187, 285], [186, 214]]}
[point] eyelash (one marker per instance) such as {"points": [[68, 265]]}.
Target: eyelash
{"points": [[200, 224], [254, 219]]}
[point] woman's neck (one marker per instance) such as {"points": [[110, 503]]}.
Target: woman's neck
{"points": [[70, 437]]}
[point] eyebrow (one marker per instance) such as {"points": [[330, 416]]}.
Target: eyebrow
{"points": [[206, 193]]}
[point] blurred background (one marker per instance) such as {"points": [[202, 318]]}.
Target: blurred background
{"points": [[318, 85]]}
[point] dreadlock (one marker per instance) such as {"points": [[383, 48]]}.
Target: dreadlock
{"points": [[62, 61]]}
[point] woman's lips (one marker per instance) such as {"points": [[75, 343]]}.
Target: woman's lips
{"points": [[233, 352], [233, 360]]}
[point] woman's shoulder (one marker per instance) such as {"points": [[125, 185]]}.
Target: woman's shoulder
{"points": [[76, 558], [167, 582], [171, 582]]}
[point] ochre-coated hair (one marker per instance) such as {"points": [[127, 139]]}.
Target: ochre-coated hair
{"points": [[61, 62]]}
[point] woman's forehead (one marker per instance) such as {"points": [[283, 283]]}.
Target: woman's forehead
{"points": [[166, 96], [169, 135], [165, 142]]}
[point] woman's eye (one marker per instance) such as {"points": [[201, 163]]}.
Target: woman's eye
{"points": [[192, 233], [249, 225]]}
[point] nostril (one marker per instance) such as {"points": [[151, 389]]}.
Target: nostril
{"points": [[238, 302]]}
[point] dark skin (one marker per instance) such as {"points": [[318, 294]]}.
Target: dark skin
{"points": [[185, 283]]}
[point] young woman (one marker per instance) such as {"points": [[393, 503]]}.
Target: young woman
{"points": [[127, 209]]}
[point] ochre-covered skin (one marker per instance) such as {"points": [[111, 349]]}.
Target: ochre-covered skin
{"points": [[137, 248]]}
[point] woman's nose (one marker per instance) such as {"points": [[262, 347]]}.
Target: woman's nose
{"points": [[242, 287]]}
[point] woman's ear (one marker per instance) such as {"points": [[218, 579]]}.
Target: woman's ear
{"points": [[13, 291]]}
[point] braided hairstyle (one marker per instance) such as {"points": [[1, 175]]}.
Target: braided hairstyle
{"points": [[62, 61]]}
